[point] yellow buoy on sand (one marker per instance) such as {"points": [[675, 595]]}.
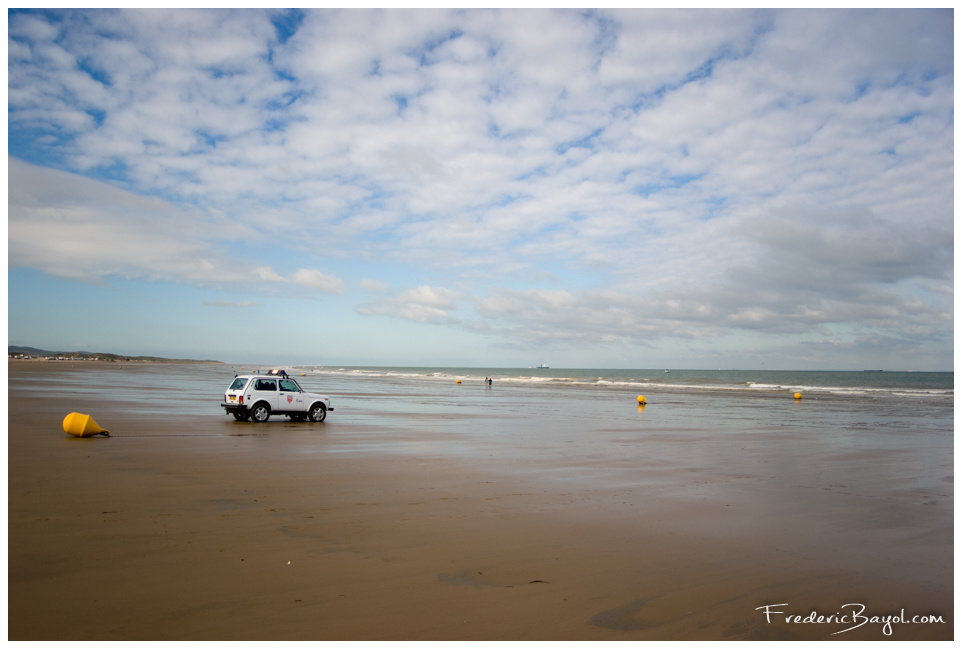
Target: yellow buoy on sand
{"points": [[458, 381], [641, 400], [798, 395], [81, 425]]}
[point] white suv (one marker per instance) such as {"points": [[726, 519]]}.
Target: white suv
{"points": [[257, 396]]}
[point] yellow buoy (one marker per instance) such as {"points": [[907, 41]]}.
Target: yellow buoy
{"points": [[458, 381], [641, 399], [81, 425], [303, 374], [798, 395]]}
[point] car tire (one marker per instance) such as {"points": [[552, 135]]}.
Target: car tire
{"points": [[242, 416], [318, 413], [261, 413]]}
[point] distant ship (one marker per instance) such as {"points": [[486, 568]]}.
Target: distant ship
{"points": [[542, 367]]}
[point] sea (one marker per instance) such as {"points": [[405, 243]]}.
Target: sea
{"points": [[938, 386], [923, 400]]}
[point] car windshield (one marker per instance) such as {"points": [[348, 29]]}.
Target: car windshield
{"points": [[238, 384]]}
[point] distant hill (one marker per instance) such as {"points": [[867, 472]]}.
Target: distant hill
{"points": [[13, 350]]}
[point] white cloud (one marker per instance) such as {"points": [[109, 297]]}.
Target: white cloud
{"points": [[419, 304], [576, 175], [75, 228], [375, 285], [227, 303], [313, 278], [268, 274]]}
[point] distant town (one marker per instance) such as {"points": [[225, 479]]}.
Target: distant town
{"points": [[31, 353]]}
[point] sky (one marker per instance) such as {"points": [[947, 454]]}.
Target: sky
{"points": [[488, 188]]}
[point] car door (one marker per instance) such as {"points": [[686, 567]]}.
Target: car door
{"points": [[290, 396], [264, 389]]}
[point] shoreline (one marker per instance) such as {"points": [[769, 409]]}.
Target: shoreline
{"points": [[76, 363]]}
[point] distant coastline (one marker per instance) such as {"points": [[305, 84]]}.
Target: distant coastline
{"points": [[32, 354]]}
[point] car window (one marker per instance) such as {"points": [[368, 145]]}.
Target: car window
{"points": [[238, 384], [289, 386], [265, 384]]}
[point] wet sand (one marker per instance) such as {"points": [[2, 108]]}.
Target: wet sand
{"points": [[199, 527]]}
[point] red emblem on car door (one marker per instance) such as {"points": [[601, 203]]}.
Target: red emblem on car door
{"points": [[289, 398]]}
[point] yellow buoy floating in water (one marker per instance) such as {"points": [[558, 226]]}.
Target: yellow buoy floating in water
{"points": [[81, 425], [641, 400], [798, 395]]}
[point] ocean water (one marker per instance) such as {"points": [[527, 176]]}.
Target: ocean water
{"points": [[687, 396], [934, 385]]}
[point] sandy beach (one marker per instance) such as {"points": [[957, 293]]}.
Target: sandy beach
{"points": [[187, 525]]}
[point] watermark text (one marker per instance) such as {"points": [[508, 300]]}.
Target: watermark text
{"points": [[850, 616]]}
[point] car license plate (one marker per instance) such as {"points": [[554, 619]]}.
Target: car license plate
{"points": [[233, 398]]}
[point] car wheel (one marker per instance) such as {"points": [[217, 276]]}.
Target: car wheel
{"points": [[261, 413], [242, 416], [318, 412]]}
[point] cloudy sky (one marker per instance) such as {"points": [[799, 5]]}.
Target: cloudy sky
{"points": [[637, 188]]}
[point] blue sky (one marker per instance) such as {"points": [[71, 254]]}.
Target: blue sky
{"points": [[634, 188]]}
